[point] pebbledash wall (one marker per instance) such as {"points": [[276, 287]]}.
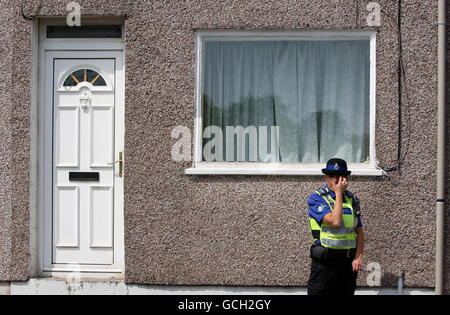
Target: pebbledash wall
{"points": [[233, 230]]}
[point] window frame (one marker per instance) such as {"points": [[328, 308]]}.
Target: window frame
{"points": [[61, 88], [200, 167]]}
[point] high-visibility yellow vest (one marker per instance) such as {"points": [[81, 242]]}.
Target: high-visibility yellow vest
{"points": [[343, 237]]}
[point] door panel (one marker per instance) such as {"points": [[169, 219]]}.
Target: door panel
{"points": [[101, 140], [67, 142], [67, 212], [101, 217], [83, 142]]}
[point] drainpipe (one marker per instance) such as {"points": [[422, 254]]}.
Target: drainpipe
{"points": [[440, 205], [400, 283]]}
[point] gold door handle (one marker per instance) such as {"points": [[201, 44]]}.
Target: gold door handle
{"points": [[120, 161]]}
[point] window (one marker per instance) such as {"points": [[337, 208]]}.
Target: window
{"points": [[84, 31], [84, 75], [286, 98]]}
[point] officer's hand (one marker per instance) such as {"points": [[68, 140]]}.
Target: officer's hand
{"points": [[357, 265], [342, 184]]}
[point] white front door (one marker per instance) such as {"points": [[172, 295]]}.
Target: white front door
{"points": [[86, 140], [83, 147]]}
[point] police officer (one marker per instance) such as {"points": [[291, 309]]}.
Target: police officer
{"points": [[334, 218]]}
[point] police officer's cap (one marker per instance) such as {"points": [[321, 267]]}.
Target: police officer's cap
{"points": [[336, 167]]}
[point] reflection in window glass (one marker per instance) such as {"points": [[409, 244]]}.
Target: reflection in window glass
{"points": [[84, 31], [84, 75], [315, 91]]}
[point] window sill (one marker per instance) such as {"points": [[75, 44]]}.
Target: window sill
{"points": [[294, 169]]}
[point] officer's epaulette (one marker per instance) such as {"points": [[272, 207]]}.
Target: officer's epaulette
{"points": [[349, 194], [322, 191]]}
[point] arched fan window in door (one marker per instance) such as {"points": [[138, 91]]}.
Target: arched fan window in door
{"points": [[84, 75]]}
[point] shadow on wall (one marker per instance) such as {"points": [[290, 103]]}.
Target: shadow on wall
{"points": [[390, 280]]}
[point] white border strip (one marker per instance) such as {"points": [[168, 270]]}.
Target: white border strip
{"points": [[238, 168], [61, 287]]}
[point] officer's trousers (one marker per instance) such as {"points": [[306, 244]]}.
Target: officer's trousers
{"points": [[333, 276]]}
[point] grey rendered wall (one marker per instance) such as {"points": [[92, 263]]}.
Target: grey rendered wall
{"points": [[14, 143], [5, 197], [240, 230], [447, 212], [252, 230]]}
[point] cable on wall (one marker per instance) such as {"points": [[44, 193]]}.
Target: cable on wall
{"points": [[401, 156]]}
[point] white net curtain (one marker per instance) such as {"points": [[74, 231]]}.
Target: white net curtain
{"points": [[315, 91]]}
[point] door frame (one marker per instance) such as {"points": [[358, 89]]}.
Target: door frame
{"points": [[50, 49]]}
